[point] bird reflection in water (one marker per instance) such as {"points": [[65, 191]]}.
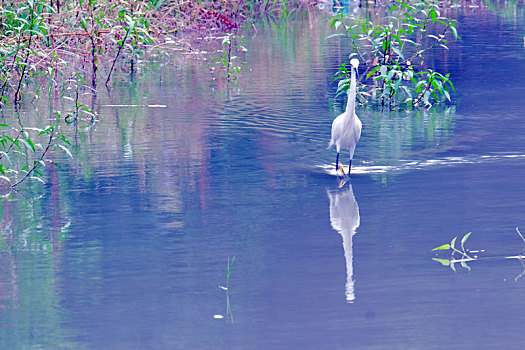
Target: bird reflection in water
{"points": [[344, 218]]}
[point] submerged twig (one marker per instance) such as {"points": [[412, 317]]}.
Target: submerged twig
{"points": [[116, 57], [18, 96]]}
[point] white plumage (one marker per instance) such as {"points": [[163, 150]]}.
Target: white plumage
{"points": [[346, 128]]}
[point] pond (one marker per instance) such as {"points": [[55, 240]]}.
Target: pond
{"points": [[127, 245]]}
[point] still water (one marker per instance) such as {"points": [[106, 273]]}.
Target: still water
{"points": [[130, 240]]}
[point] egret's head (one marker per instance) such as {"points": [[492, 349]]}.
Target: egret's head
{"points": [[354, 62]]}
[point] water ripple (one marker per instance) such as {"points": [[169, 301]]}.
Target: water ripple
{"points": [[280, 121], [404, 165]]}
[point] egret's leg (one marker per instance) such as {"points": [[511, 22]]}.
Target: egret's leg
{"points": [[337, 161], [350, 167]]}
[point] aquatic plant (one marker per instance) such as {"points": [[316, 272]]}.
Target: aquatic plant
{"points": [[462, 252], [133, 24], [41, 39], [227, 63], [42, 51], [459, 254], [229, 267], [394, 48]]}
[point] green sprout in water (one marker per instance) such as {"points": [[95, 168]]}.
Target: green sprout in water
{"points": [[229, 267], [228, 62], [459, 254], [462, 252], [229, 271]]}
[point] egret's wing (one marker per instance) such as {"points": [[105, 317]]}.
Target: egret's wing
{"points": [[357, 130], [337, 129]]}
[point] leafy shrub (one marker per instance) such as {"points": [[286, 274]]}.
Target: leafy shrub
{"points": [[394, 54]]}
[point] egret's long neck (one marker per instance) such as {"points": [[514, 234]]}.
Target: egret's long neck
{"points": [[350, 104]]}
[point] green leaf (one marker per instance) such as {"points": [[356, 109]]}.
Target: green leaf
{"points": [[399, 52], [443, 247], [396, 85], [65, 149], [426, 97], [13, 141], [63, 138], [372, 71], [47, 130], [454, 31], [407, 91], [390, 75], [438, 85], [383, 70], [451, 85], [444, 262], [334, 35], [81, 78], [342, 86], [396, 38], [453, 242], [37, 178], [409, 41], [464, 264], [447, 95], [433, 15], [31, 144], [7, 156], [464, 239]]}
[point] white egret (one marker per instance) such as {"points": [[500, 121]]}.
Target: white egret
{"points": [[346, 128]]}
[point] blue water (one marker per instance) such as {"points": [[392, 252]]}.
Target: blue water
{"points": [[129, 243]]}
